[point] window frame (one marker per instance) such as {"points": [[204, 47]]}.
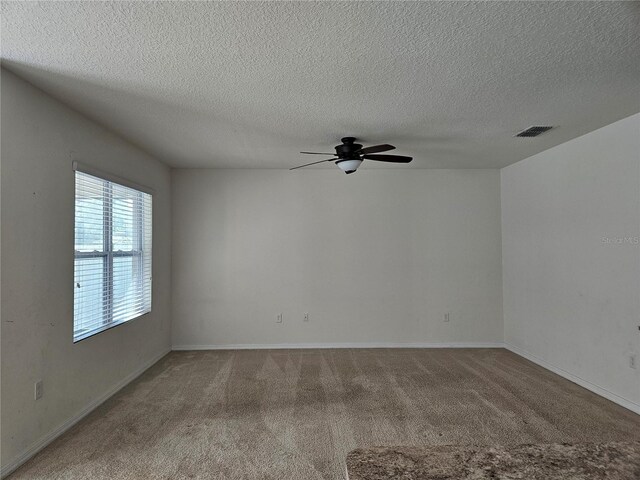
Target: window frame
{"points": [[108, 254]]}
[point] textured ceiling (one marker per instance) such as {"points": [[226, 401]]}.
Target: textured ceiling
{"points": [[235, 84]]}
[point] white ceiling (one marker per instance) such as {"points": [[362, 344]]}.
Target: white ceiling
{"points": [[236, 84]]}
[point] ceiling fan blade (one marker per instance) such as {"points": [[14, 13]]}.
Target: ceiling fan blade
{"points": [[313, 163], [317, 153], [388, 158], [376, 149]]}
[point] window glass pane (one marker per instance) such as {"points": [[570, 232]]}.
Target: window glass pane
{"points": [[125, 210], [89, 235], [88, 298], [126, 282]]}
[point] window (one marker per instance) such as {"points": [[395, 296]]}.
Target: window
{"points": [[112, 264]]}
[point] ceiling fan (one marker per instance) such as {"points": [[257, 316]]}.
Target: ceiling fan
{"points": [[349, 155]]}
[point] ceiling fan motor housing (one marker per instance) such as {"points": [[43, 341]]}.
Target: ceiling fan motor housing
{"points": [[348, 148], [349, 160]]}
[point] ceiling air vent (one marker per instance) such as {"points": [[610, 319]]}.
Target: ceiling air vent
{"points": [[534, 131]]}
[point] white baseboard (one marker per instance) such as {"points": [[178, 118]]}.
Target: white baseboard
{"points": [[70, 422], [280, 346], [597, 389]]}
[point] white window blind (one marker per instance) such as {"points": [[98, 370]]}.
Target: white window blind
{"points": [[112, 265]]}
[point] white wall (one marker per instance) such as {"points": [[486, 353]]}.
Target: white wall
{"points": [[40, 138], [571, 297], [375, 257]]}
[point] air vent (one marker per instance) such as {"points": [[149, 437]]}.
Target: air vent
{"points": [[534, 131]]}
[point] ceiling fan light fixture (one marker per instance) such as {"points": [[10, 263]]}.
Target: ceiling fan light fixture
{"points": [[349, 166]]}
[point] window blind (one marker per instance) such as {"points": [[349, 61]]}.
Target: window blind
{"points": [[112, 264]]}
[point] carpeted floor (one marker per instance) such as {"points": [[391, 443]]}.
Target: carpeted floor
{"points": [[295, 414]]}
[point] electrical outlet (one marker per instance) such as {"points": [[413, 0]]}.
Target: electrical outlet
{"points": [[37, 391], [633, 361], [446, 317], [279, 318], [306, 317]]}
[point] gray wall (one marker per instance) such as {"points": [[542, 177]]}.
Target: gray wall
{"points": [[40, 138], [376, 257], [571, 255]]}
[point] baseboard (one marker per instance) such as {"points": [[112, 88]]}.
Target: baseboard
{"points": [[597, 389], [70, 422], [280, 346]]}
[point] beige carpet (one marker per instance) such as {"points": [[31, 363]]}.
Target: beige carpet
{"points": [[294, 414]]}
